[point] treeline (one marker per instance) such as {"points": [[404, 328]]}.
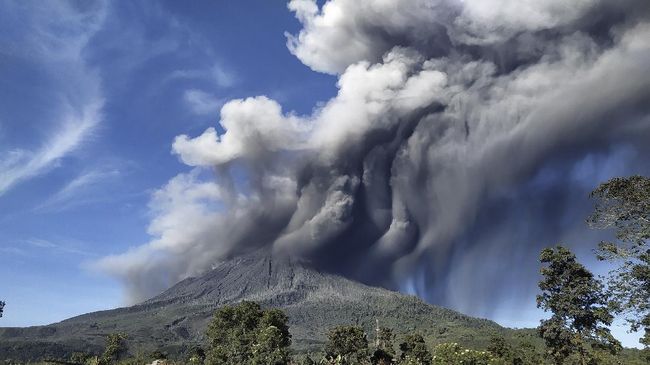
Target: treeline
{"points": [[247, 334]]}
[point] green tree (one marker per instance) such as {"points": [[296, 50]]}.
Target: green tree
{"points": [[414, 350], [499, 347], [231, 334], [579, 306], [347, 343], [2, 307], [115, 347], [623, 204], [246, 334], [526, 354], [270, 348], [195, 355], [277, 319], [384, 352], [79, 358]]}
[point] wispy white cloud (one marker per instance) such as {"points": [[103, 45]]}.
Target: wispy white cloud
{"points": [[76, 192], [218, 74], [21, 165], [223, 77], [201, 102], [63, 247], [54, 37], [36, 247], [10, 250]]}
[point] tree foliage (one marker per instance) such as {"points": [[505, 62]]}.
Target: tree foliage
{"points": [[414, 350], [2, 307], [499, 347], [115, 347], [526, 354], [579, 307], [195, 355], [623, 204], [246, 334], [346, 345], [384, 353]]}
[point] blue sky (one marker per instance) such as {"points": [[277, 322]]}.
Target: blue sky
{"points": [[92, 96], [72, 189]]}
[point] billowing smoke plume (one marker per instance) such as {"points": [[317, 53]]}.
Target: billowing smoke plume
{"points": [[465, 135]]}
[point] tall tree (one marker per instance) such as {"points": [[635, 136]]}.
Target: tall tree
{"points": [[2, 307], [414, 350], [579, 305], [347, 345], [115, 347], [623, 204], [384, 351], [499, 347], [246, 334]]}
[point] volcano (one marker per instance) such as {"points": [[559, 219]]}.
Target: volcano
{"points": [[314, 301]]}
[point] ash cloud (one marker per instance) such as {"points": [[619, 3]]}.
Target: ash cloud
{"points": [[464, 137]]}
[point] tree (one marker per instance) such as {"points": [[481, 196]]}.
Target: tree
{"points": [[246, 334], [2, 307], [414, 350], [195, 355], [384, 352], [115, 346], [499, 347], [349, 343], [277, 319], [579, 306], [526, 354], [79, 358], [624, 205], [269, 348]]}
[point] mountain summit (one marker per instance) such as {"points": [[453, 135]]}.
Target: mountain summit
{"points": [[313, 300]]}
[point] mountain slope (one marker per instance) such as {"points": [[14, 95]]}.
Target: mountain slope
{"points": [[314, 302]]}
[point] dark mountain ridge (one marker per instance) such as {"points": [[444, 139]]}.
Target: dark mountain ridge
{"points": [[313, 300]]}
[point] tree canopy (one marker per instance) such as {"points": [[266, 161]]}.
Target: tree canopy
{"points": [[414, 350], [347, 345], [246, 334], [623, 204], [579, 306]]}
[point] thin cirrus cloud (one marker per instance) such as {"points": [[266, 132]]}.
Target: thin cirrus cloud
{"points": [[79, 191], [22, 165], [217, 73], [202, 103], [58, 35], [62, 247]]}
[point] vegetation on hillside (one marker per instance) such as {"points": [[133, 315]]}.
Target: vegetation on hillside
{"points": [[246, 334]]}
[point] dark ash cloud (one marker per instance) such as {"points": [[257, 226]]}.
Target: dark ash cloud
{"points": [[461, 141]]}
